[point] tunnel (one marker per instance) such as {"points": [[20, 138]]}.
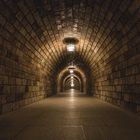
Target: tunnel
{"points": [[70, 69]]}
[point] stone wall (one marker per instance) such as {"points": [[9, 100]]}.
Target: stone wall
{"points": [[32, 49], [117, 75], [23, 78], [21, 81]]}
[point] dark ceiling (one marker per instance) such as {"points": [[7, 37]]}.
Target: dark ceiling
{"points": [[41, 25]]}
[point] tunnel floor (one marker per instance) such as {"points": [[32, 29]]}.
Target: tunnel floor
{"points": [[70, 118]]}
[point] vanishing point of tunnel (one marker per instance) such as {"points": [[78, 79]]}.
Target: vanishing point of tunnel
{"points": [[69, 69]]}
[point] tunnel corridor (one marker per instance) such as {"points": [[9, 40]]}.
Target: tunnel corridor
{"points": [[58, 50]]}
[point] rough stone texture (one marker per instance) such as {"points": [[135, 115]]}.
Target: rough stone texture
{"points": [[23, 79], [31, 49]]}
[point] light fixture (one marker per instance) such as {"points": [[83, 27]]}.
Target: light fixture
{"points": [[71, 71], [72, 84], [72, 77], [70, 43], [70, 47]]}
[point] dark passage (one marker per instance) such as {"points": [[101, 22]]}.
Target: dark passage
{"points": [[69, 69]]}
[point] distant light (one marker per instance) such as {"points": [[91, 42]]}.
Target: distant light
{"points": [[70, 47], [71, 71], [72, 84]]}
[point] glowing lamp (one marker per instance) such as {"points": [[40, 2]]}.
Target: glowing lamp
{"points": [[70, 47], [71, 71], [70, 43]]}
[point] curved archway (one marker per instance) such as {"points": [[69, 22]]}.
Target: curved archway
{"points": [[78, 73], [73, 82], [32, 52]]}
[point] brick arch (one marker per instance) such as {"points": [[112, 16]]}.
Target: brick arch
{"points": [[31, 48]]}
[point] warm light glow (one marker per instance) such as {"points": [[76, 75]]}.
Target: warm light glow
{"points": [[72, 84], [70, 47], [71, 71], [72, 96]]}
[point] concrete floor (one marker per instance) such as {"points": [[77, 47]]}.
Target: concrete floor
{"points": [[70, 118]]}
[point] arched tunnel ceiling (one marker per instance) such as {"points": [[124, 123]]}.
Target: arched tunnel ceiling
{"points": [[39, 26]]}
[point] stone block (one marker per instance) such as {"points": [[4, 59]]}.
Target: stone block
{"points": [[7, 107]]}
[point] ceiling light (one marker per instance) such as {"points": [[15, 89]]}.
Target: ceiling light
{"points": [[70, 47], [70, 43], [71, 71]]}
